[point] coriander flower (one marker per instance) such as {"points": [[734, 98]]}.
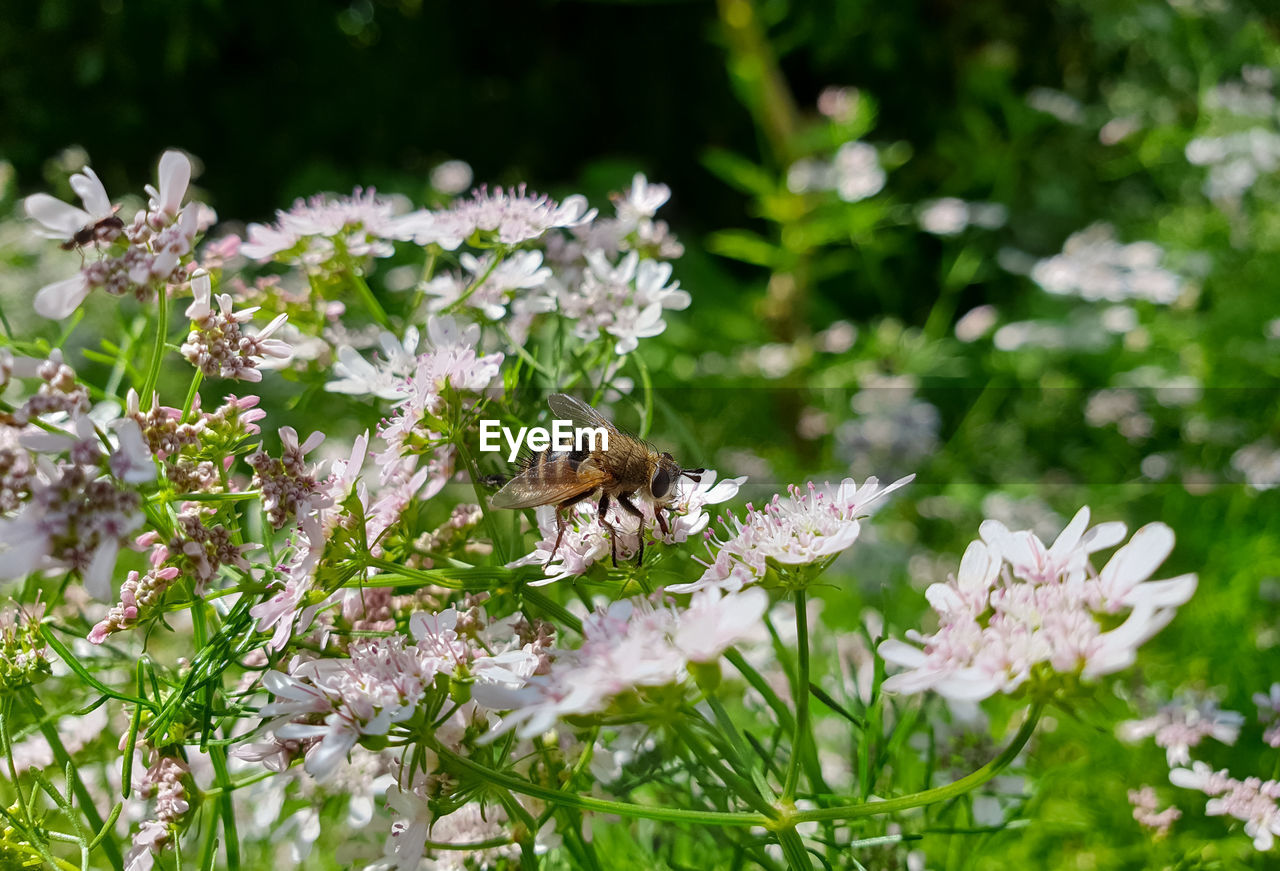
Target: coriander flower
{"points": [[491, 283], [333, 703], [1252, 800], [624, 299], [1016, 607], [387, 377], [801, 529], [1094, 266], [217, 345], [1144, 803], [1268, 708], [628, 646], [510, 217], [1183, 724], [315, 231], [140, 258]]}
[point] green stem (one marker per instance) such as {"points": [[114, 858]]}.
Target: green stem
{"points": [[599, 805], [760, 685], [550, 606], [63, 758], [367, 297], [474, 286], [801, 691], [157, 350], [931, 796], [732, 780], [726, 725], [192, 393], [6, 747]]}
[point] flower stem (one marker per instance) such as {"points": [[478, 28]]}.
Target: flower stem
{"points": [[192, 392], [801, 691], [600, 805], [157, 350], [63, 758], [473, 286], [366, 296], [931, 796]]}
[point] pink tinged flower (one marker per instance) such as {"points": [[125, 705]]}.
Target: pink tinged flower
{"points": [[1016, 604], [264, 241], [1252, 801], [175, 175], [640, 201], [803, 528], [1182, 724], [61, 220], [1145, 804], [713, 622], [132, 461], [59, 299], [630, 645]]}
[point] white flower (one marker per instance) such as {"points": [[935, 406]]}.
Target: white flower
{"points": [[630, 645], [175, 175], [803, 528], [1094, 266], [387, 377], [61, 220], [858, 173], [1252, 801], [363, 224], [1183, 724], [492, 286], [1016, 604], [512, 216], [641, 201], [714, 622]]}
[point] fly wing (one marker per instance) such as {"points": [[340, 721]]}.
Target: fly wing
{"points": [[567, 407], [532, 488]]}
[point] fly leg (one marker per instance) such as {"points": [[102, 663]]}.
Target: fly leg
{"points": [[630, 508], [602, 509], [562, 520], [661, 515]]}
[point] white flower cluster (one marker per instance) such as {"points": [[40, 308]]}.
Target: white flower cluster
{"points": [[951, 216], [803, 528], [1094, 266], [631, 644], [1016, 607], [217, 345], [332, 703], [854, 173], [1259, 464], [140, 258], [65, 501], [315, 232], [1253, 801], [1183, 724], [1237, 158]]}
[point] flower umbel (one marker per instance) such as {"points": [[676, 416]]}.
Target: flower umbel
{"points": [[1017, 607]]}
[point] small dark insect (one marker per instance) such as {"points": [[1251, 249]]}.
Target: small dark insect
{"points": [[630, 468], [104, 231]]}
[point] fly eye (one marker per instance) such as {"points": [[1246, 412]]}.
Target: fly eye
{"points": [[660, 483]]}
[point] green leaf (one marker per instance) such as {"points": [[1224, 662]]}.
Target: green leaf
{"points": [[745, 246], [740, 173]]}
